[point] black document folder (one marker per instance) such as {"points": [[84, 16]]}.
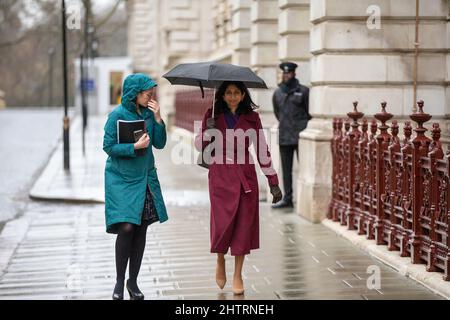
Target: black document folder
{"points": [[125, 132]]}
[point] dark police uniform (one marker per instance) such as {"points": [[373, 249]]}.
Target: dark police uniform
{"points": [[291, 107]]}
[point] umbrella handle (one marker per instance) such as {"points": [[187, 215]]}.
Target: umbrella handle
{"points": [[214, 102], [201, 88]]}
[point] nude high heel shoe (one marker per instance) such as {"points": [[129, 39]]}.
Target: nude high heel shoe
{"points": [[238, 286], [221, 277]]}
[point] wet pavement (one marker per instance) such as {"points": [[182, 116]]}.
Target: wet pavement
{"points": [[27, 139], [63, 252], [66, 254]]}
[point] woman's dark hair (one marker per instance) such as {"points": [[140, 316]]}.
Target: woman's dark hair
{"points": [[245, 106]]}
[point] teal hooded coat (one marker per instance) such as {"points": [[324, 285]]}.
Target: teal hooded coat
{"points": [[127, 175]]}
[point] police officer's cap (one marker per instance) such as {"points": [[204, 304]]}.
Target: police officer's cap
{"points": [[288, 66]]}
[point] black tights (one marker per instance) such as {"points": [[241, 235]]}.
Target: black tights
{"points": [[130, 245]]}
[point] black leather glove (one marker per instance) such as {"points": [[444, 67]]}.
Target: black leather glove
{"points": [[276, 193]]}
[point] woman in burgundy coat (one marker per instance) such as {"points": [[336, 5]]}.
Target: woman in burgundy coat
{"points": [[233, 185]]}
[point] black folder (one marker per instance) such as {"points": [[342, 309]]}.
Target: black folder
{"points": [[125, 132]]}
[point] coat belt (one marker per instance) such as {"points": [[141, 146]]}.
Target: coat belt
{"points": [[242, 178]]}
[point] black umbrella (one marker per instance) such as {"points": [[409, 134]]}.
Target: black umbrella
{"points": [[211, 74]]}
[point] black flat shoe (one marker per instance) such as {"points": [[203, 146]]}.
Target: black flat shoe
{"points": [[117, 296], [118, 292], [283, 204], [135, 295]]}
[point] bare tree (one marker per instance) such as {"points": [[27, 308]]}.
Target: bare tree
{"points": [[31, 55]]}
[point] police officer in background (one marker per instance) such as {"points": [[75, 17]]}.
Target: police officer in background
{"points": [[291, 106]]}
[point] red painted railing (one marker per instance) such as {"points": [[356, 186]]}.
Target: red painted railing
{"points": [[190, 107], [393, 190]]}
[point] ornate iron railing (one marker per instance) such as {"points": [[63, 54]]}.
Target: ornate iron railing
{"points": [[190, 107], [395, 191]]}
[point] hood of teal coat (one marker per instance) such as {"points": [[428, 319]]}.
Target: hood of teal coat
{"points": [[134, 84]]}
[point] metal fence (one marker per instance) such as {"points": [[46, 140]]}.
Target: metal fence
{"points": [[190, 107], [394, 190]]}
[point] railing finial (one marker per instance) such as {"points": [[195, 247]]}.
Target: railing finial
{"points": [[436, 145], [420, 118], [407, 132], [355, 115], [420, 105], [383, 116], [394, 128]]}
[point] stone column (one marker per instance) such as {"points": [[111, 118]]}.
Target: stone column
{"points": [[142, 15], [293, 27], [221, 19], [446, 134], [264, 51], [263, 60], [185, 32], [240, 28], [357, 60], [293, 45]]}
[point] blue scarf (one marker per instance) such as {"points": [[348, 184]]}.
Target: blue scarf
{"points": [[231, 119]]}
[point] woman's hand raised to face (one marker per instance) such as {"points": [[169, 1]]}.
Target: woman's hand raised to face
{"points": [[154, 107], [143, 142]]}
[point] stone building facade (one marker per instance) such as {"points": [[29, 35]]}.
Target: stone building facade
{"points": [[346, 50]]}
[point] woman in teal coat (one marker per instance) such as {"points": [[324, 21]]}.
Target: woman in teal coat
{"points": [[133, 198]]}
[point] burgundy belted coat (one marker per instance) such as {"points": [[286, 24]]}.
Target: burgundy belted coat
{"points": [[233, 184]]}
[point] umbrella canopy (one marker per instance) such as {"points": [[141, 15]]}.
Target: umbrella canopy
{"points": [[212, 74]]}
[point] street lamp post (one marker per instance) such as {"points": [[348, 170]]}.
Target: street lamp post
{"points": [[85, 66], [51, 55], [66, 122], [83, 101]]}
